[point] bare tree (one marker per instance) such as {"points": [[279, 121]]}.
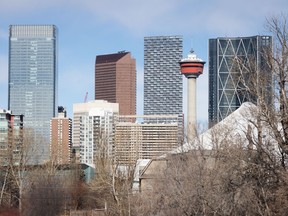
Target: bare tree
{"points": [[225, 181], [21, 148], [111, 187], [267, 84], [32, 189], [278, 60], [49, 190], [245, 171]]}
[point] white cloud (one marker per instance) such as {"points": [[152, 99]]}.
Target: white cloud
{"points": [[142, 17], [218, 16], [236, 19], [137, 16], [20, 7]]}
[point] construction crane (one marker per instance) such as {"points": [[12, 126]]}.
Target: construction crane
{"points": [[85, 99]]}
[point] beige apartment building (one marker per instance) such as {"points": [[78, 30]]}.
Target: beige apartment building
{"points": [[155, 136]]}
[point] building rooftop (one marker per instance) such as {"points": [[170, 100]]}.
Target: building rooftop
{"points": [[110, 57]]}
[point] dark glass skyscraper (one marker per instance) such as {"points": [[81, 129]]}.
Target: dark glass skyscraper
{"points": [[230, 64], [33, 80], [162, 77]]}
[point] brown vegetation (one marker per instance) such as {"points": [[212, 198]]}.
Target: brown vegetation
{"points": [[239, 175]]}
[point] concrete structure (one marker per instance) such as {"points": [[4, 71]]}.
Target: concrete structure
{"points": [[93, 129], [115, 80], [162, 80], [32, 88], [149, 174], [80, 109], [233, 130], [191, 67], [61, 138], [155, 136], [155, 168], [96, 135], [229, 59], [11, 137]]}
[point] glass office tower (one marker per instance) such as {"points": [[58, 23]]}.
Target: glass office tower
{"points": [[162, 77], [232, 62], [33, 80]]}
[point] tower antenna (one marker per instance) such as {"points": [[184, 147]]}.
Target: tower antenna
{"points": [[86, 96]]}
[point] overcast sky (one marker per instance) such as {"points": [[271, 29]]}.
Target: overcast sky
{"points": [[92, 27]]}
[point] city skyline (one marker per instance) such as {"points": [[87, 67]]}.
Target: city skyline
{"points": [[89, 28]]}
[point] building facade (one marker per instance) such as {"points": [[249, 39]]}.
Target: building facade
{"points": [[162, 79], [134, 141], [115, 80], [93, 128], [33, 80], [81, 109], [61, 138], [11, 138], [96, 135], [233, 64]]}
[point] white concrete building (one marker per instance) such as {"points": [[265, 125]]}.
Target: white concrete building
{"points": [[93, 129]]}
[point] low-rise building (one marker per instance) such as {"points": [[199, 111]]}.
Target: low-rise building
{"points": [[11, 137]]}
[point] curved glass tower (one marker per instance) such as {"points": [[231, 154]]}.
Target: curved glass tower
{"points": [[33, 80], [229, 58]]}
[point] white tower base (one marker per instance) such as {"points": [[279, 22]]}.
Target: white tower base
{"points": [[191, 109]]}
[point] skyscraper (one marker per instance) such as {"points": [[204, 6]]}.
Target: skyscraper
{"points": [[229, 60], [162, 79], [115, 80], [33, 80]]}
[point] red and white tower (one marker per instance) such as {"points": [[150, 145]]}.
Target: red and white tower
{"points": [[191, 67]]}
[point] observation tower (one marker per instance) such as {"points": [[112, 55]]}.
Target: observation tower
{"points": [[191, 67]]}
